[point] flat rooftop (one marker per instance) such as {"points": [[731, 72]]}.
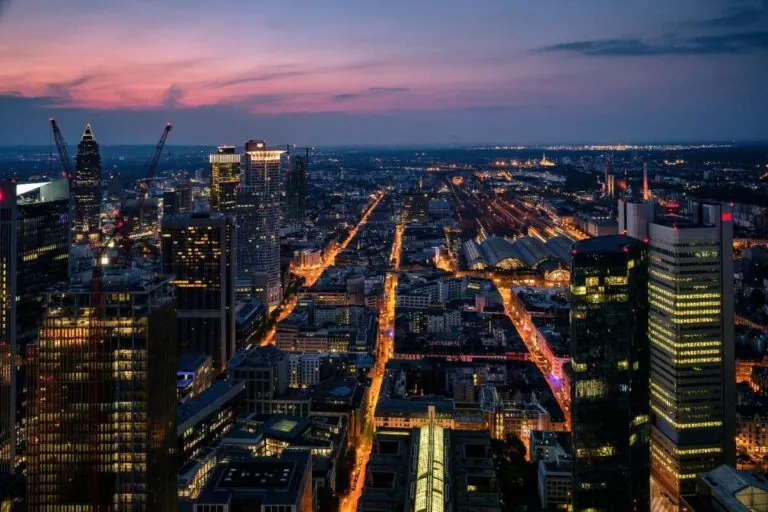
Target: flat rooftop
{"points": [[609, 243]]}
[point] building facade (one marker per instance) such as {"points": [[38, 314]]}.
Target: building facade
{"points": [[34, 247], [102, 426], [610, 359], [692, 348], [296, 190], [634, 218], [225, 177], [258, 222], [198, 250], [86, 187]]}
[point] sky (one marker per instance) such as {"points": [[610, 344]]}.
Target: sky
{"points": [[376, 72]]}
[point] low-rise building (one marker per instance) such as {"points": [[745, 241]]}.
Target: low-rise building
{"points": [[194, 374], [430, 468], [202, 421], [241, 481], [728, 489]]}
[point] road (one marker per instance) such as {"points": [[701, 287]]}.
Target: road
{"points": [[529, 338], [384, 349], [311, 275]]}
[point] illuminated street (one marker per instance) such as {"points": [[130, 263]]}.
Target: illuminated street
{"points": [[384, 349], [313, 274], [528, 337]]}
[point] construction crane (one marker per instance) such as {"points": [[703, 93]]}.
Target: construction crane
{"points": [[123, 224], [95, 320]]}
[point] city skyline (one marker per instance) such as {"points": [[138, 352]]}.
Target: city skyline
{"points": [[424, 74]]}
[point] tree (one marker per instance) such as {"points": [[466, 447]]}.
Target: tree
{"points": [[757, 298]]}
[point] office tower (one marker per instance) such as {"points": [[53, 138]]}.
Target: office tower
{"points": [[198, 251], [258, 222], [634, 218], [34, 243], [609, 357], [606, 174], [225, 177], [296, 190], [86, 187], [171, 202], [102, 427], [692, 348]]}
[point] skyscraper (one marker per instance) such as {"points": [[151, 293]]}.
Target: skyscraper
{"points": [[34, 243], [634, 218], [258, 222], [198, 251], [609, 393], [296, 190], [86, 186], [692, 348], [225, 177], [102, 428]]}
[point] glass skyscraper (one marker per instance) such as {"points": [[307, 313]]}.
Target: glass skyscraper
{"points": [[259, 201], [296, 190], [34, 245], [86, 187], [225, 177], [609, 392], [198, 251], [692, 348], [102, 425]]}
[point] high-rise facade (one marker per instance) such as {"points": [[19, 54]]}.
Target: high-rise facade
{"points": [[102, 425], [34, 244], [258, 222], [634, 217], [86, 187], [296, 190], [198, 250], [692, 348], [610, 361], [225, 177]]}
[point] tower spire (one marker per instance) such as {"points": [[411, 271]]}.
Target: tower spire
{"points": [[87, 133]]}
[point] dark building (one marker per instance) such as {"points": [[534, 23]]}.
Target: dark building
{"points": [[171, 202], [265, 373], [34, 245], [225, 177], [296, 190], [198, 251], [243, 482], [610, 361], [102, 426], [250, 316], [86, 187], [178, 200], [195, 373], [205, 418]]}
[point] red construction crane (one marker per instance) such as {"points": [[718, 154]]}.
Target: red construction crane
{"points": [[95, 321]]}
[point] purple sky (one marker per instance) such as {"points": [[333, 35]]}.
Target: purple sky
{"points": [[373, 72]]}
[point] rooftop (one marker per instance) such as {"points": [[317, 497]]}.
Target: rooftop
{"points": [[207, 402], [609, 243], [258, 480]]}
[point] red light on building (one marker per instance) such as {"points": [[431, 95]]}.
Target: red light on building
{"points": [[726, 216]]}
